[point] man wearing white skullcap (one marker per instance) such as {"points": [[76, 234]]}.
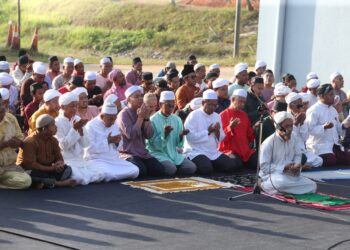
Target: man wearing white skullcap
{"points": [[260, 67], [301, 130], [311, 75], [50, 107], [240, 78], [280, 160], [105, 141], [205, 133], [337, 81], [68, 69], [238, 132], [11, 175], [220, 86], [39, 73], [4, 67], [215, 68], [200, 71], [78, 68], [135, 127], [102, 81], [72, 138], [312, 85], [280, 92], [5, 96], [84, 110], [6, 81], [95, 95], [168, 138]]}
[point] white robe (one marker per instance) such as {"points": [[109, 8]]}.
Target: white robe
{"points": [[274, 156], [104, 155], [321, 141], [313, 99], [72, 147], [198, 142], [301, 132]]}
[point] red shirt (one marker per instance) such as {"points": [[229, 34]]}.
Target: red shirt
{"points": [[63, 90], [28, 112], [237, 140]]}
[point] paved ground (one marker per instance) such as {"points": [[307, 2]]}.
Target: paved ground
{"points": [[114, 216]]}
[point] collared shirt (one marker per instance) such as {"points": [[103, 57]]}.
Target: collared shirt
{"points": [[133, 77], [39, 112], [19, 77], [25, 95], [184, 95]]}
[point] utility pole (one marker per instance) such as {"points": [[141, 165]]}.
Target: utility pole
{"points": [[237, 29], [173, 2], [19, 23]]}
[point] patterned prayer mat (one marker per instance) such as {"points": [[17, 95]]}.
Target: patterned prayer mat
{"points": [[245, 180], [178, 185], [339, 174]]}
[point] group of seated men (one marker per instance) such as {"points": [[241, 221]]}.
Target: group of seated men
{"points": [[74, 127]]}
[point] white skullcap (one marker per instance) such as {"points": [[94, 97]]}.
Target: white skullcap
{"points": [[4, 93], [77, 61], [281, 116], [50, 94], [305, 97], [281, 90], [105, 60], [4, 65], [68, 60], [197, 66], [111, 99], [171, 65], [220, 82], [313, 83], [90, 76], [260, 64], [39, 68], [167, 96], [210, 94], [67, 98], [311, 75], [109, 109], [214, 66], [279, 84], [196, 103], [334, 75], [291, 97], [240, 67], [131, 90], [5, 79], [79, 90], [240, 92]]}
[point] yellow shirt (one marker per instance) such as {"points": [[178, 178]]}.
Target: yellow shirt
{"points": [[39, 112], [9, 128]]}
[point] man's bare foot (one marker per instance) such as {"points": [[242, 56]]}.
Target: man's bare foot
{"points": [[66, 183], [38, 185]]}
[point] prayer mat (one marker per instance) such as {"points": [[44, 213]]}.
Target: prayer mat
{"points": [[245, 180], [340, 174], [178, 185]]}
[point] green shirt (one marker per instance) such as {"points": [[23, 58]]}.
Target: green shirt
{"points": [[165, 149]]}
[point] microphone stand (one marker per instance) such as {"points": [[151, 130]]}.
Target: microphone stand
{"points": [[263, 108]]}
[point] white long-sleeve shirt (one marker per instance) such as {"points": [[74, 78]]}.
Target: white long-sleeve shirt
{"points": [[313, 99], [301, 132], [321, 141], [19, 77], [198, 142]]}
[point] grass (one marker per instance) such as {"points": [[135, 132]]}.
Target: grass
{"points": [[90, 29]]}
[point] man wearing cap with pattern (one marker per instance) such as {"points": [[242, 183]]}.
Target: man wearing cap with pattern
{"points": [[134, 75], [119, 84], [11, 176], [205, 133], [37, 91], [325, 129], [104, 142], [23, 72], [84, 110], [39, 72], [240, 78], [220, 86], [72, 139], [300, 128], [102, 80], [280, 161], [50, 107], [68, 68], [6, 81], [135, 127], [95, 95], [41, 154], [168, 138]]}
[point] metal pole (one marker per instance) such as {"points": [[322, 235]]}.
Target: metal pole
{"points": [[19, 23], [237, 28]]}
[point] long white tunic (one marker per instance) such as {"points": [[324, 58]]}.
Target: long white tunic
{"points": [[321, 141], [72, 146], [198, 142], [313, 99], [104, 155], [301, 132], [275, 154], [19, 77]]}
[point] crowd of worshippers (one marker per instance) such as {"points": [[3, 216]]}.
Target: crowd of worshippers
{"points": [[62, 126]]}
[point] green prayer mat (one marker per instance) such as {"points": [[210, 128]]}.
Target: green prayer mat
{"points": [[321, 199]]}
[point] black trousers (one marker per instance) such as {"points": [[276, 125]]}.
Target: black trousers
{"points": [[150, 166], [49, 178], [221, 164]]}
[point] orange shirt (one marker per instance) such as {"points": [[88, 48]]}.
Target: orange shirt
{"points": [[184, 95]]}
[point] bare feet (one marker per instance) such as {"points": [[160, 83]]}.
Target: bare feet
{"points": [[66, 183]]}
